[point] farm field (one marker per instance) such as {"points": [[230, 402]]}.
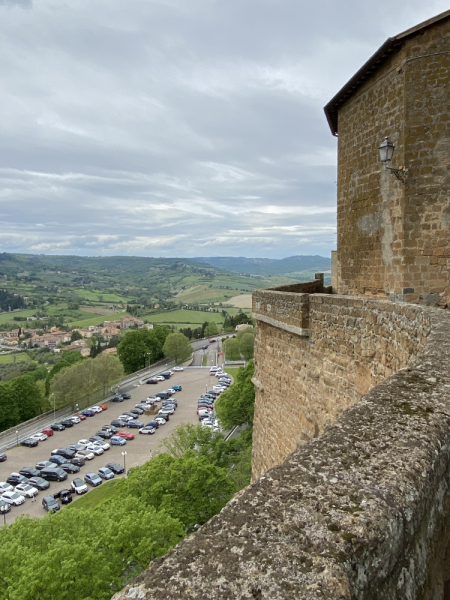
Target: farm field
{"points": [[95, 296], [8, 359], [203, 293], [9, 317], [97, 310], [241, 301], [96, 320], [183, 317]]}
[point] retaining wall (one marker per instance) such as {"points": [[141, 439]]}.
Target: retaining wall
{"points": [[360, 512]]}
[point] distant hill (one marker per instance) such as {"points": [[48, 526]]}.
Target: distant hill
{"points": [[291, 266]]}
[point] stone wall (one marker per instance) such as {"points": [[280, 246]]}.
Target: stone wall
{"points": [[361, 512], [316, 355], [394, 237]]}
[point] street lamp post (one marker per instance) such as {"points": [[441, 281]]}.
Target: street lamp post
{"points": [[124, 453], [54, 407], [17, 436], [149, 355], [4, 510]]}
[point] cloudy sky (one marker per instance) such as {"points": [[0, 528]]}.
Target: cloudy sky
{"points": [[178, 127]]}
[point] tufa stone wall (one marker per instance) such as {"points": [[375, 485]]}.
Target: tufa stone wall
{"points": [[360, 513], [316, 355], [393, 237]]}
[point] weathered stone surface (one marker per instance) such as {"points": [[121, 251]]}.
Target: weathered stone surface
{"points": [[362, 512]]}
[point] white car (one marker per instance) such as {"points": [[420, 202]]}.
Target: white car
{"points": [[75, 420], [97, 450], [103, 445], [178, 369], [125, 418], [96, 409], [27, 490], [78, 486], [171, 391], [206, 423], [160, 378], [160, 420], [40, 437], [84, 442], [86, 454], [13, 498], [5, 487]]}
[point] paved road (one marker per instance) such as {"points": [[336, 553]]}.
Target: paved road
{"points": [[193, 381]]}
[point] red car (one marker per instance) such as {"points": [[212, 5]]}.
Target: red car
{"points": [[80, 416], [126, 435], [47, 431], [103, 406]]}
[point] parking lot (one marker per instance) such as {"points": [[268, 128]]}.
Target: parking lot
{"points": [[193, 381]]}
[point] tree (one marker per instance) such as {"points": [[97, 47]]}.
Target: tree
{"points": [[76, 335], [247, 345], [231, 349], [177, 346], [236, 406], [211, 329], [132, 350]]}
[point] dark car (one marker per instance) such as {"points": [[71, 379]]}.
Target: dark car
{"points": [[16, 478], [163, 395], [39, 483], [96, 438], [105, 435], [135, 424], [125, 396], [4, 506], [137, 410], [67, 423], [115, 468], [154, 424], [66, 452], [64, 495], [93, 479], [167, 374], [118, 423], [29, 472], [77, 461], [50, 504], [57, 427], [70, 468], [29, 442], [56, 459], [110, 428], [88, 413], [3, 457], [205, 347], [116, 399], [152, 380], [53, 473]]}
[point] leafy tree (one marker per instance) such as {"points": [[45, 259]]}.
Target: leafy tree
{"points": [[177, 346], [247, 345], [236, 406], [189, 488], [133, 349], [76, 335], [27, 396], [211, 329], [231, 349]]}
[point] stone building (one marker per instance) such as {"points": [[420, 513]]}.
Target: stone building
{"points": [[351, 444]]}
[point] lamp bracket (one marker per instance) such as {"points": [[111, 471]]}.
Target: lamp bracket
{"points": [[399, 173]]}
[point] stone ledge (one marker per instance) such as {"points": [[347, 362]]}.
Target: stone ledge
{"points": [[362, 512], [302, 332]]}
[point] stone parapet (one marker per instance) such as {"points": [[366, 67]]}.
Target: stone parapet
{"points": [[284, 309], [362, 512]]}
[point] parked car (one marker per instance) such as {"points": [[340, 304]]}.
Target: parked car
{"points": [[115, 468], [118, 441], [110, 428], [134, 424], [78, 486], [66, 452], [39, 483], [78, 461], [96, 449], [161, 420], [147, 429], [29, 472], [160, 378], [40, 437], [5, 487], [126, 396], [77, 447], [50, 504], [70, 468], [177, 369], [27, 490], [64, 495], [16, 478], [177, 388], [153, 423], [86, 454], [126, 435], [75, 420], [88, 413], [152, 380], [4, 506], [125, 418], [163, 395], [13, 498], [3, 457], [103, 406], [48, 431], [42, 465], [96, 409], [53, 473], [80, 416], [101, 442], [119, 423], [116, 399], [67, 423], [58, 460], [105, 473], [105, 435], [137, 410], [93, 479], [57, 427], [29, 443]]}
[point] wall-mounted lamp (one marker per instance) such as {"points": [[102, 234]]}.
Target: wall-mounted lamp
{"points": [[386, 151]]}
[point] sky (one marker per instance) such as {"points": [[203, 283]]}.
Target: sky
{"points": [[178, 127]]}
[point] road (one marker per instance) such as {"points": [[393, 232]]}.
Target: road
{"points": [[193, 381]]}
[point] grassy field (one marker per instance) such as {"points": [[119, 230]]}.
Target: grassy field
{"points": [[94, 296], [6, 359], [9, 317], [97, 320], [203, 293], [233, 371], [243, 301], [95, 496], [183, 317]]}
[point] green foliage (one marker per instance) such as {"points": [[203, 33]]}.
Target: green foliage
{"points": [[135, 345], [76, 335], [236, 406], [177, 347], [82, 555], [231, 349], [189, 488], [239, 319], [247, 345], [82, 379], [20, 399], [211, 329]]}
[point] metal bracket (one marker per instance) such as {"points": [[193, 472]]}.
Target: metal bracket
{"points": [[399, 173]]}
